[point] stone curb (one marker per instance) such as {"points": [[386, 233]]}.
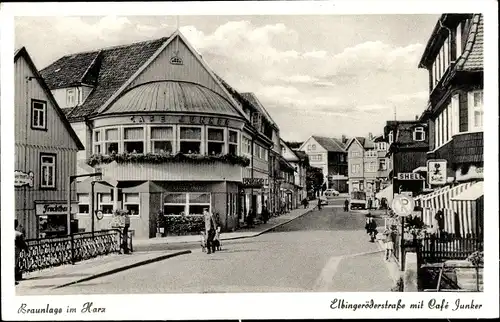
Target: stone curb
{"points": [[270, 228], [126, 267]]}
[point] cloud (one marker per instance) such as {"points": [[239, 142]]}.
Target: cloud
{"points": [[372, 107], [399, 98]]}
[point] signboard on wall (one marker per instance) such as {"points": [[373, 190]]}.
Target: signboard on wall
{"points": [[436, 172], [253, 181], [23, 178], [55, 208], [409, 176]]}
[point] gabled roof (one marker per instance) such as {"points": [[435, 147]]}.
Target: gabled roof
{"points": [[364, 142], [24, 53], [117, 65], [255, 101], [330, 144]]}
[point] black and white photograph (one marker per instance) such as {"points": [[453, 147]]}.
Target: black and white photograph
{"points": [[249, 160]]}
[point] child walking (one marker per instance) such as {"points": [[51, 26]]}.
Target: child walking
{"points": [[203, 241], [217, 240], [389, 244]]}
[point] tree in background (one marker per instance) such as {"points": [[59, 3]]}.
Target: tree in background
{"points": [[314, 179]]}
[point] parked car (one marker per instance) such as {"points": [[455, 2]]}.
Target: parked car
{"points": [[331, 192]]}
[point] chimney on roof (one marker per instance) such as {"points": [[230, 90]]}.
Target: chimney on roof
{"points": [[370, 136], [416, 117]]}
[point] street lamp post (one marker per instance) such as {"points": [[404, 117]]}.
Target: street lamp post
{"points": [[70, 231]]}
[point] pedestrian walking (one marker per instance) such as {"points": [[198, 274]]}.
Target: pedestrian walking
{"points": [[305, 203], [371, 227], [265, 214], [346, 205], [250, 217], [20, 245], [370, 203], [210, 227], [217, 239], [126, 227]]}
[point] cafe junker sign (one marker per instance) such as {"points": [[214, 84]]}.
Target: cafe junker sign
{"points": [[55, 208]]}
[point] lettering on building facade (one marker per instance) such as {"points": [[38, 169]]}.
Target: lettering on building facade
{"points": [[184, 119], [409, 176]]}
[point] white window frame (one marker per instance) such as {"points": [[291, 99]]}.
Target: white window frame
{"points": [[152, 141], [80, 203], [391, 137], [70, 97], [143, 140], [313, 147], [138, 202], [472, 109], [105, 140], [188, 203], [191, 140], [247, 145], [224, 141], [97, 142], [455, 106], [101, 203], [52, 165], [229, 143], [41, 113], [419, 129], [446, 49], [355, 168], [450, 120]]}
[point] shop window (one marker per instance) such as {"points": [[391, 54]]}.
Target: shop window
{"points": [[190, 140], [47, 171], [97, 142], [419, 134], [131, 203], [111, 137], [83, 203], [134, 140], [186, 203], [476, 111], [215, 141], [38, 115], [106, 203], [233, 142], [162, 139]]}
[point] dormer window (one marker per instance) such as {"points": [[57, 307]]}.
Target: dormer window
{"points": [[419, 134], [70, 97], [391, 137], [176, 60]]}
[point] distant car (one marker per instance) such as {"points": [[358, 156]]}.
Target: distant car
{"points": [[331, 192]]}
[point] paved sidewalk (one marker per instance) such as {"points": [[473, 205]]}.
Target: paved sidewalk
{"points": [[259, 229], [41, 282]]}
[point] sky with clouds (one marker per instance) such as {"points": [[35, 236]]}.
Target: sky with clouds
{"points": [[324, 74]]}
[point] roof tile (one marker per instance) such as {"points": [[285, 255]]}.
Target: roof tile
{"points": [[330, 144], [473, 52], [117, 65]]}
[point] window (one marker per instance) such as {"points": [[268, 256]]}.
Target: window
{"points": [[111, 137], [70, 97], [370, 167], [133, 140], [83, 203], [246, 146], [446, 53], [355, 168], [175, 203], [419, 134], [105, 203], [233, 142], [190, 140], [47, 171], [391, 137], [309, 148], [38, 115], [382, 166], [458, 44], [215, 141], [97, 142], [131, 203], [476, 113], [265, 154], [162, 139], [455, 114], [313, 147], [316, 157]]}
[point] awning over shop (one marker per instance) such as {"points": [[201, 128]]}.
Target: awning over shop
{"points": [[473, 193], [420, 169], [386, 193], [460, 216]]}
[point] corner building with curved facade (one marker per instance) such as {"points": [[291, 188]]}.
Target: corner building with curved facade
{"points": [[169, 136]]}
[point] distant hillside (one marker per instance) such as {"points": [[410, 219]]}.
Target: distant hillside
{"points": [[294, 145]]}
